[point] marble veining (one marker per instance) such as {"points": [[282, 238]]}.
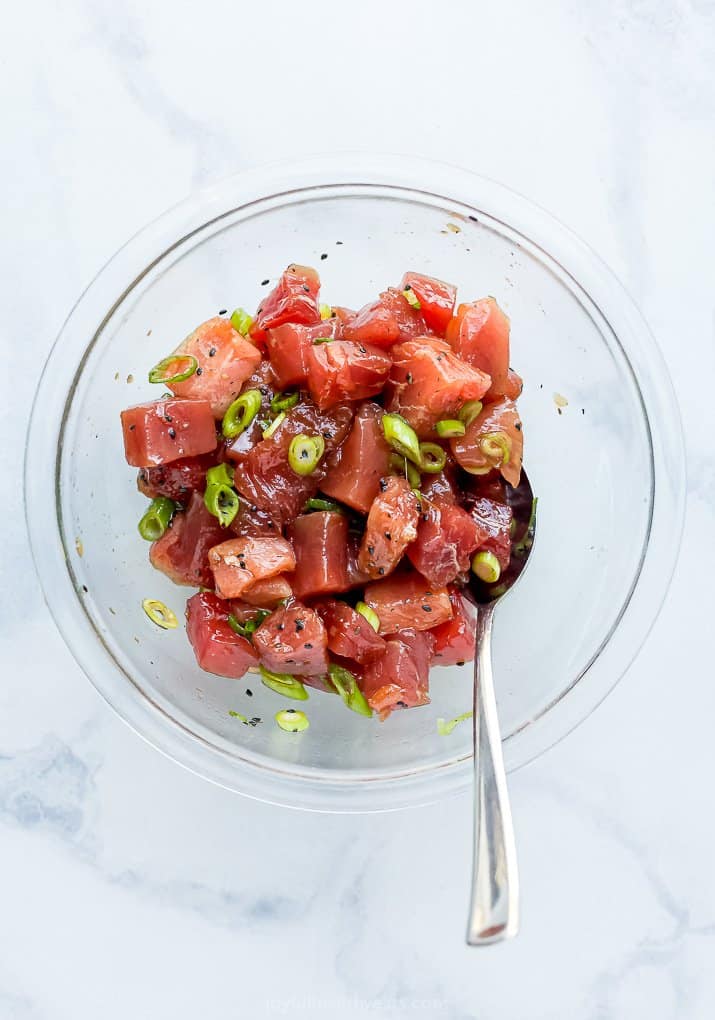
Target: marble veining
{"points": [[130, 887]]}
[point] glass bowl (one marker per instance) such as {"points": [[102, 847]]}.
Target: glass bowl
{"points": [[607, 468]]}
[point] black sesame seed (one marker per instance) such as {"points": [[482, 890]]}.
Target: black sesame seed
{"points": [[212, 352], [168, 419], [299, 625], [307, 645], [338, 242], [172, 433], [517, 426], [409, 377], [383, 485], [290, 710], [281, 626], [461, 662], [381, 571], [132, 427], [85, 589], [249, 692], [402, 704], [306, 288], [474, 219], [264, 283], [362, 349], [324, 255], [223, 311], [388, 536], [371, 550], [427, 609], [199, 370]]}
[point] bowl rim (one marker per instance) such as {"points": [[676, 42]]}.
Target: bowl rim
{"points": [[135, 258]]}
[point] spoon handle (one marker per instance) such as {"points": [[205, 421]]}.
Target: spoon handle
{"points": [[494, 910]]}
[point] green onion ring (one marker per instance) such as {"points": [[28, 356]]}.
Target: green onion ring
{"points": [[449, 428], [173, 369], [156, 519], [292, 720], [241, 413], [370, 615], [411, 298], [471, 410], [274, 426], [160, 614], [486, 566], [284, 401], [405, 467], [432, 457], [347, 687], [496, 446], [305, 452], [283, 683], [241, 321], [401, 437]]}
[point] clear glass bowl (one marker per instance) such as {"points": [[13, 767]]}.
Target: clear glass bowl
{"points": [[608, 470]]}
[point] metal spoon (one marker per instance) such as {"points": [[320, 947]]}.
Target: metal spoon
{"points": [[494, 910]]}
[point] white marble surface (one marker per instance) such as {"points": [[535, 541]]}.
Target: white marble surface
{"points": [[129, 887]]}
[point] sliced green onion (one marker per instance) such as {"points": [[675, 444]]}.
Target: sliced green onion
{"points": [[401, 437], [221, 474], [283, 683], [405, 467], [432, 457], [304, 453], [292, 720], [156, 519], [323, 339], [471, 410], [445, 727], [497, 447], [316, 503], [222, 502], [525, 543], [173, 369], [370, 615], [160, 614], [347, 687], [244, 719], [241, 321], [326, 312], [250, 626], [412, 298], [220, 499], [486, 566], [241, 413], [449, 428], [274, 426], [284, 401]]}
